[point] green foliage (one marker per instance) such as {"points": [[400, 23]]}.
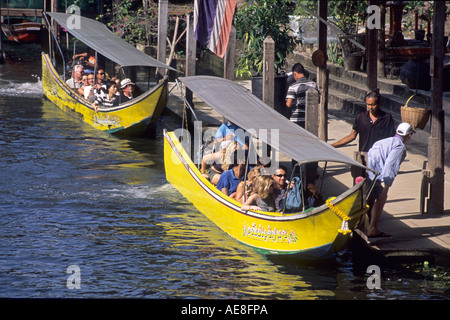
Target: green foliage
{"points": [[134, 25], [334, 53], [256, 20], [345, 14]]}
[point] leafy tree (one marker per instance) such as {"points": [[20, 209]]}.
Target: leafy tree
{"points": [[254, 21]]}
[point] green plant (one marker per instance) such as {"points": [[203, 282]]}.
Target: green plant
{"points": [[346, 15], [334, 53], [132, 23], [254, 21]]}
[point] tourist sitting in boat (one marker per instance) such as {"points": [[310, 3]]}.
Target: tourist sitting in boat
{"points": [[89, 89], [229, 131], [117, 81], [230, 179], [280, 187], [84, 80], [97, 88], [249, 189], [75, 81], [87, 59], [107, 100], [219, 162], [101, 77], [263, 199], [313, 198], [126, 90]]}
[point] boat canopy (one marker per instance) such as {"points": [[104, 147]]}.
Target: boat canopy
{"points": [[97, 36], [240, 106]]}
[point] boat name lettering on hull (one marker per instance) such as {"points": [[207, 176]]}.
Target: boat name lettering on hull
{"points": [[269, 234], [107, 121]]}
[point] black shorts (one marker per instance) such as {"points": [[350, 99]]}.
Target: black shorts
{"points": [[376, 191]]}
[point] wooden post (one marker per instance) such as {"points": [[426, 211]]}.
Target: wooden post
{"points": [[323, 75], [312, 111], [436, 139], [268, 72], [163, 14], [228, 62], [372, 55], [2, 54], [381, 40], [191, 46]]}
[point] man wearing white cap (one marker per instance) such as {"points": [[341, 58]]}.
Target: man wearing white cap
{"points": [[127, 88], [385, 157]]}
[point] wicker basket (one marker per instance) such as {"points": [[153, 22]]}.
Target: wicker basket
{"points": [[416, 117]]}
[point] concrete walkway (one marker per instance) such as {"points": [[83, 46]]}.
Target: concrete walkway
{"points": [[413, 234]]}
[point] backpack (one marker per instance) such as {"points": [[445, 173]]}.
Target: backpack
{"points": [[294, 198]]}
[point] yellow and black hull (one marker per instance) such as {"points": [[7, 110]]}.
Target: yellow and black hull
{"points": [[131, 118], [312, 233]]}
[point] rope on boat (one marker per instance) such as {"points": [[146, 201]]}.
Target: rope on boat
{"points": [[345, 218]]}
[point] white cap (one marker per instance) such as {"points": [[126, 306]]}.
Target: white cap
{"points": [[125, 82], [404, 129]]}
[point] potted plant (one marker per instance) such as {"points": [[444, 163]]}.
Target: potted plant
{"points": [[255, 20], [348, 14]]}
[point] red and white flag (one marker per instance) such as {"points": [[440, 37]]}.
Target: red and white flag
{"points": [[212, 23]]}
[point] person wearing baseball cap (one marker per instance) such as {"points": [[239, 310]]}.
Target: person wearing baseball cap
{"points": [[126, 90], [385, 157], [404, 129]]}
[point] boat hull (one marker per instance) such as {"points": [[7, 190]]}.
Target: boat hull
{"points": [[132, 118], [22, 31], [315, 233]]}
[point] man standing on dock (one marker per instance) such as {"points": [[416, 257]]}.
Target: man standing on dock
{"points": [[385, 157], [372, 124], [296, 94], [296, 100]]}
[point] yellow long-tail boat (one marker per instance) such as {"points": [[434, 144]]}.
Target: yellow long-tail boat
{"points": [[314, 232], [134, 117]]}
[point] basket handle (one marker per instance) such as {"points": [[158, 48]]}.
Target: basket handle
{"points": [[416, 95]]}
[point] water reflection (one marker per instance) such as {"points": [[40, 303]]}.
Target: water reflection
{"points": [[226, 268]]}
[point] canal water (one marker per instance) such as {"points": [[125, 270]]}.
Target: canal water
{"points": [[88, 215]]}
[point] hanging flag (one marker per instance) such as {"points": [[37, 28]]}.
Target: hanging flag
{"points": [[212, 23]]}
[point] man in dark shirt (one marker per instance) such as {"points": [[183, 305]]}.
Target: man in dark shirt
{"points": [[372, 125], [280, 186]]}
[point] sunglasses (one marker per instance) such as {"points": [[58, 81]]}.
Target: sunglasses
{"points": [[280, 175], [100, 73]]}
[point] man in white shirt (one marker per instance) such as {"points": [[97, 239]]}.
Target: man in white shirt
{"points": [[75, 82]]}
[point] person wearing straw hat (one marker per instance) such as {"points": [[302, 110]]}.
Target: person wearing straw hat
{"points": [[385, 157]]}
